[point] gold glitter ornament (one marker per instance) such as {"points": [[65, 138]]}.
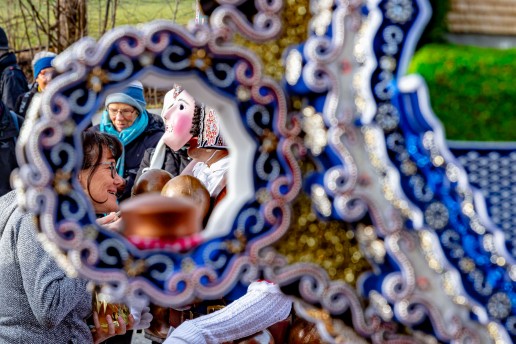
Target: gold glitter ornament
{"points": [[62, 182], [238, 244], [324, 243], [295, 31], [97, 78], [134, 267]]}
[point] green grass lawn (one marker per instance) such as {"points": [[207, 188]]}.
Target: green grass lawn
{"points": [[131, 12], [24, 34]]}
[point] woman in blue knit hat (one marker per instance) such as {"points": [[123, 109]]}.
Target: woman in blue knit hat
{"points": [[43, 73], [125, 117]]}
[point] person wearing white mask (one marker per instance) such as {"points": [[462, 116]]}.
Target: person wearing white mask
{"points": [[196, 126]]}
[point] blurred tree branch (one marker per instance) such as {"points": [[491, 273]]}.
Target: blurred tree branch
{"points": [[33, 25]]}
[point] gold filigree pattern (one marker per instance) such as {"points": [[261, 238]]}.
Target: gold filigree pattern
{"points": [[90, 232], [237, 245], [269, 141], [200, 59], [69, 127], [96, 79], [62, 182], [243, 93], [134, 267], [187, 265]]}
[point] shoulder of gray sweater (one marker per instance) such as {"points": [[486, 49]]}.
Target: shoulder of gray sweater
{"points": [[8, 205]]}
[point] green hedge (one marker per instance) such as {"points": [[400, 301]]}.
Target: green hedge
{"points": [[472, 90]]}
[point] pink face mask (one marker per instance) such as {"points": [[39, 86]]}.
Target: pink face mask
{"points": [[178, 113]]}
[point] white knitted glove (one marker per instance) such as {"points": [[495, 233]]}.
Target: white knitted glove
{"points": [[142, 317], [262, 306]]}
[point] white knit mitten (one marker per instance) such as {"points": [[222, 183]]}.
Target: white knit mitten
{"points": [[262, 306]]}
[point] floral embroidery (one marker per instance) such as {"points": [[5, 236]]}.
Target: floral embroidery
{"points": [[210, 131]]}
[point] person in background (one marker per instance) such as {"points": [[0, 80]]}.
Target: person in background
{"points": [[10, 124], [43, 73], [196, 126], [40, 304], [126, 118], [13, 82]]}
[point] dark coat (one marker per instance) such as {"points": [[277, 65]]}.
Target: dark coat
{"points": [[175, 162], [9, 131], [135, 151], [23, 101], [12, 80]]}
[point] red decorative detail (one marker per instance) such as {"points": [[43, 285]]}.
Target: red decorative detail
{"points": [[211, 128], [345, 66], [176, 244], [423, 283]]}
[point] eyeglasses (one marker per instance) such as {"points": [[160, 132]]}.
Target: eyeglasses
{"points": [[112, 167], [124, 112]]}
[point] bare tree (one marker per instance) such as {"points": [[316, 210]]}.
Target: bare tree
{"points": [[72, 21], [52, 24]]}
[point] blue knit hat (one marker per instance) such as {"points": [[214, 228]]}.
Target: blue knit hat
{"points": [[42, 60], [132, 95]]}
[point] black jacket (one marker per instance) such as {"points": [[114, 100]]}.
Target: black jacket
{"points": [[12, 80], [23, 101], [9, 132], [175, 162], [135, 150]]}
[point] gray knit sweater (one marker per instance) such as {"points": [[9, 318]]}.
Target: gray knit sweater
{"points": [[38, 302]]}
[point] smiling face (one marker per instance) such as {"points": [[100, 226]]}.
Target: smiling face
{"points": [[178, 113], [103, 183], [122, 115]]}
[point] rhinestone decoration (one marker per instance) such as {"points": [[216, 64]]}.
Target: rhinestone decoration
{"points": [[432, 180], [399, 11]]}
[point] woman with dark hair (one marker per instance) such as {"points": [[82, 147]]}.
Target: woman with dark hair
{"points": [[101, 152], [40, 304]]}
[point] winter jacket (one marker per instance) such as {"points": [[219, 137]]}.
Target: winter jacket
{"points": [[23, 101], [10, 124], [135, 151], [175, 162], [40, 304], [12, 80]]}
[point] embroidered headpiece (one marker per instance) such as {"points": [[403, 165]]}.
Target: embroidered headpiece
{"points": [[209, 131]]}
